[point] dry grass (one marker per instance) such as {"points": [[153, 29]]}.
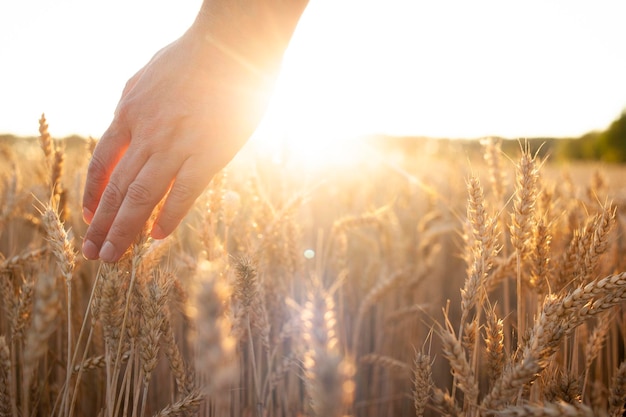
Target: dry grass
{"points": [[397, 286]]}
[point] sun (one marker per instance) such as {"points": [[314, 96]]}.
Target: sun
{"points": [[310, 118], [322, 100], [299, 127]]}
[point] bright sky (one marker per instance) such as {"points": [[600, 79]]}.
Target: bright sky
{"points": [[441, 68]]}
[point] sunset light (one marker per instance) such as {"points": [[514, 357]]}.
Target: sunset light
{"points": [[444, 69], [312, 208]]}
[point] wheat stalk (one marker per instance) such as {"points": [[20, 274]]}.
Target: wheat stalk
{"points": [[46, 305]]}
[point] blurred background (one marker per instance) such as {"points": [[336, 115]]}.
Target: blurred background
{"points": [[446, 69]]}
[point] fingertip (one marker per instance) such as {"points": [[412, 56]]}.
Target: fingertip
{"points": [[90, 250], [108, 253], [158, 233]]}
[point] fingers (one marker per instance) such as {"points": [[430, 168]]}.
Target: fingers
{"points": [[110, 201], [190, 182], [106, 155], [127, 203]]}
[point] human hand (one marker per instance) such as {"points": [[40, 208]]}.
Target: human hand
{"points": [[180, 119]]}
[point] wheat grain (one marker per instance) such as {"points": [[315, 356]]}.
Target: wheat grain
{"points": [[444, 402], [422, 382], [328, 374], [215, 347], [460, 366], [494, 346], [185, 406], [522, 224], [546, 410], [111, 304], [604, 224], [563, 387], [20, 314], [524, 203], [97, 362], [558, 318], [184, 385], [45, 140], [541, 275], [56, 175], [6, 409], [595, 343], [617, 395], [29, 256], [482, 247], [153, 297], [493, 157]]}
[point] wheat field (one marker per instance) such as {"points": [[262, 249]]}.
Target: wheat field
{"points": [[405, 284]]}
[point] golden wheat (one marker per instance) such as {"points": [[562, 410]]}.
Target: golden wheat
{"points": [[231, 317]]}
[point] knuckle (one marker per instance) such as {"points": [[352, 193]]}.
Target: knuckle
{"points": [[96, 170], [184, 191], [139, 194], [121, 233], [124, 111], [128, 85], [96, 232], [112, 197], [167, 218]]}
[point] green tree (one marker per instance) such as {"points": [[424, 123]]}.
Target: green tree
{"points": [[612, 142], [584, 147]]}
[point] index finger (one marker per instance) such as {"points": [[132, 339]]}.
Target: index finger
{"points": [[106, 155]]}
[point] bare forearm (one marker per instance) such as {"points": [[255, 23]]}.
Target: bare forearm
{"points": [[255, 30]]}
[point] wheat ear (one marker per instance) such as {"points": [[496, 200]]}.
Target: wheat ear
{"points": [[188, 405], [617, 396], [445, 403], [546, 410], [595, 343], [6, 407], [422, 382], [215, 347], [494, 346], [493, 158], [328, 376], [65, 254], [153, 298], [45, 140], [460, 366], [522, 221]]}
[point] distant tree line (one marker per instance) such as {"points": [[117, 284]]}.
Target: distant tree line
{"points": [[608, 145]]}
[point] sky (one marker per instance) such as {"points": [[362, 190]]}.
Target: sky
{"points": [[446, 68]]}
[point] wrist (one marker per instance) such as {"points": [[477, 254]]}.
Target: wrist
{"points": [[253, 32]]}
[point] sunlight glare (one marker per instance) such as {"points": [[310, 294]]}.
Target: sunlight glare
{"points": [[323, 96]]}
